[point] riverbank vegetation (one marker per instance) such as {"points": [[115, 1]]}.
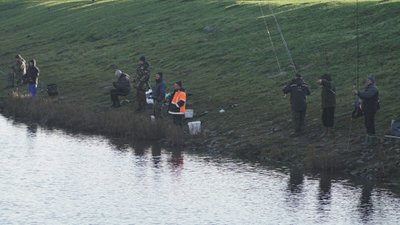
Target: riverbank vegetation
{"points": [[222, 53], [114, 123]]}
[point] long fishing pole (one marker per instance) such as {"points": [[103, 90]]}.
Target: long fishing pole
{"points": [[357, 46], [283, 39], [270, 38], [357, 86]]}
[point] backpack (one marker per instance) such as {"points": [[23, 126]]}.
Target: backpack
{"points": [[52, 89]]}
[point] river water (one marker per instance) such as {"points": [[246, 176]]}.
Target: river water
{"points": [[50, 177]]}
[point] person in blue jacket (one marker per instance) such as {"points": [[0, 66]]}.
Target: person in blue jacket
{"points": [[159, 94], [370, 104]]}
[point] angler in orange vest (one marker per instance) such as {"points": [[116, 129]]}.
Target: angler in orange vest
{"points": [[177, 104]]}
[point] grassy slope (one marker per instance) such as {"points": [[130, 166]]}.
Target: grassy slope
{"points": [[78, 45]]}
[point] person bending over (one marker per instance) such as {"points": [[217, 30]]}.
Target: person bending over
{"points": [[122, 87]]}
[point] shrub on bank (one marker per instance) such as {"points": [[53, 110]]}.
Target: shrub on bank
{"points": [[77, 118]]}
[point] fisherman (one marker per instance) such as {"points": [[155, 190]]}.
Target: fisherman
{"points": [[32, 77], [142, 83], [177, 104], [370, 105], [122, 87], [298, 90], [159, 94], [19, 70], [328, 103]]}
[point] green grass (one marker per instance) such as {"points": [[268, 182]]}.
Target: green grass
{"points": [[79, 44]]}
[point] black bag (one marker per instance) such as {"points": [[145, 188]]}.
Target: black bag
{"points": [[52, 89], [357, 112]]}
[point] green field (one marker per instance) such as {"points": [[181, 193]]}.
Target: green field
{"points": [[222, 53]]}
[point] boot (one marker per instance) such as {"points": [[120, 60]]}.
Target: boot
{"points": [[367, 140], [374, 140]]}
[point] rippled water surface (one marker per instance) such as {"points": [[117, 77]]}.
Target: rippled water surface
{"points": [[49, 177]]}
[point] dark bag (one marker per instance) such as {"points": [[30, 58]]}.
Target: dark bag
{"points": [[52, 89], [357, 112]]}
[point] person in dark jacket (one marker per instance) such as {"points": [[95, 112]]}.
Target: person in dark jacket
{"points": [[159, 94], [328, 103], [142, 82], [122, 87], [370, 105], [32, 77], [177, 104], [298, 91]]}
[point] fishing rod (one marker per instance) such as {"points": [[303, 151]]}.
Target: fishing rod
{"points": [[357, 46], [357, 83], [270, 38], [283, 39]]}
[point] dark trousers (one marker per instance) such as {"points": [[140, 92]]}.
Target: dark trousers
{"points": [[369, 119], [298, 118], [114, 96], [141, 99], [11, 80], [178, 119], [328, 117], [157, 108]]}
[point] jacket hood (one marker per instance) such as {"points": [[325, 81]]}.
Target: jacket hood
{"points": [[33, 61], [124, 75], [297, 81], [161, 78]]}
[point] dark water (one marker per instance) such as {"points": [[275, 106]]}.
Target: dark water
{"points": [[49, 177]]}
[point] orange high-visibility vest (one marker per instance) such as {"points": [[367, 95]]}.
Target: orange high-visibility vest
{"points": [[178, 96]]}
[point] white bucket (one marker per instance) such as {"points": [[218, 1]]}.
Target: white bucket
{"points": [[149, 101], [189, 113], [194, 127], [149, 97]]}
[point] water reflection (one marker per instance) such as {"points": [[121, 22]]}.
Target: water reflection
{"points": [[176, 159], [31, 135], [119, 144], [295, 188], [32, 130], [156, 154], [140, 148], [325, 186], [366, 207], [296, 180]]}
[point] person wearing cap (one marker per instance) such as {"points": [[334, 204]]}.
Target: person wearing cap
{"points": [[177, 104], [298, 91], [142, 82], [159, 90], [122, 87], [328, 103], [19, 70], [370, 105], [32, 77]]}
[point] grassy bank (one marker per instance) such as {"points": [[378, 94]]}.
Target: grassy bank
{"points": [[221, 52]]}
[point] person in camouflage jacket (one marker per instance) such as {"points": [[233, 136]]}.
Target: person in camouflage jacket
{"points": [[19, 70], [142, 82]]}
